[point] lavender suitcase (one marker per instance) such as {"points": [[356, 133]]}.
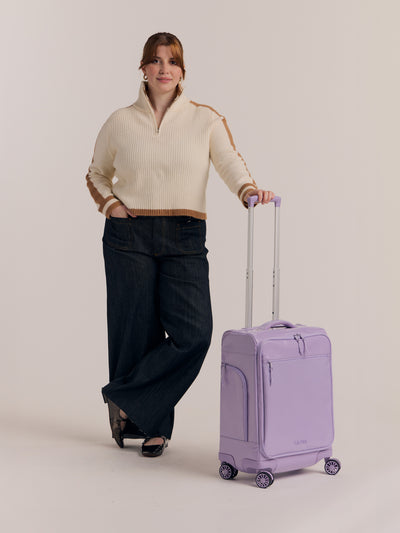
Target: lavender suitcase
{"points": [[276, 410]]}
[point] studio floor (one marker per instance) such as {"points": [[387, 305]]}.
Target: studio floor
{"points": [[73, 478]]}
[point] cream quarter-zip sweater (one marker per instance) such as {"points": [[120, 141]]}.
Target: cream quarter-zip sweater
{"points": [[165, 170]]}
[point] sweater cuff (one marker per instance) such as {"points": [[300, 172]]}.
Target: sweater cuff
{"points": [[243, 190], [110, 205]]}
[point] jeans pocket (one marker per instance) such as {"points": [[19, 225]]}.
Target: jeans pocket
{"points": [[190, 234], [118, 233], [120, 219]]}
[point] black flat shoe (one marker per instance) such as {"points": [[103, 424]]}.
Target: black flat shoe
{"points": [[115, 422], [154, 450], [130, 429]]}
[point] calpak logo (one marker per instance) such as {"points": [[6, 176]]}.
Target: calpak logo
{"points": [[298, 442]]}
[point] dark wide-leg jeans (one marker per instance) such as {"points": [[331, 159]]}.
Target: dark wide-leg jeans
{"points": [[159, 316]]}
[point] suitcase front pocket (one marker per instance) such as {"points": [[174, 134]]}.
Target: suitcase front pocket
{"points": [[233, 413], [297, 405]]}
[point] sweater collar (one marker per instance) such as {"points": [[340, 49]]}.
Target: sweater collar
{"points": [[143, 101]]}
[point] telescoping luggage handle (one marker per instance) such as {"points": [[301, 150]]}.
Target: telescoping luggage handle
{"points": [[249, 272]]}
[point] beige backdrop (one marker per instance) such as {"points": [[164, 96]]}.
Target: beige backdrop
{"points": [[310, 92]]}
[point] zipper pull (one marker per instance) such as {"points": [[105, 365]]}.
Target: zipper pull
{"points": [[297, 337], [270, 372]]}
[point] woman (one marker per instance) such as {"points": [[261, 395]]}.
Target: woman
{"points": [[159, 149]]}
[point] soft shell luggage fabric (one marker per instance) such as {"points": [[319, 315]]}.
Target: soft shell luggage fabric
{"points": [[276, 403], [276, 396]]}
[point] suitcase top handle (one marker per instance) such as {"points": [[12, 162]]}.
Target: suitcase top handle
{"points": [[251, 200], [273, 323]]}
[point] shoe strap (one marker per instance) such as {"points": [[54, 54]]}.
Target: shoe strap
{"points": [[159, 436]]}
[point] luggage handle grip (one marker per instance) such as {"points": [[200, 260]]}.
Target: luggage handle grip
{"points": [[273, 323], [251, 200]]}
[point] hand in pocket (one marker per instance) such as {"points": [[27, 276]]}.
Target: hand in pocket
{"points": [[121, 211]]}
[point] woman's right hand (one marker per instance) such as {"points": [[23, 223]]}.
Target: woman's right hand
{"points": [[121, 211]]}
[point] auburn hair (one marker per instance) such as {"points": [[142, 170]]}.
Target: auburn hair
{"points": [[165, 39]]}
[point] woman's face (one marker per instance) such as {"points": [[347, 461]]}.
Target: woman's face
{"points": [[163, 72]]}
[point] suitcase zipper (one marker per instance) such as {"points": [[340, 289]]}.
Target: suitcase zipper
{"points": [[242, 377], [297, 337], [264, 391], [270, 368]]}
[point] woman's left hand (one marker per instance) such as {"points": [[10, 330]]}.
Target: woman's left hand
{"points": [[263, 196]]}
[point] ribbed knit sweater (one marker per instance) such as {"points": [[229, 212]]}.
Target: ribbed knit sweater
{"points": [[164, 170]]}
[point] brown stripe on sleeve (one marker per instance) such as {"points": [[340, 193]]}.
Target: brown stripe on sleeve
{"points": [[242, 189], [112, 206], [97, 197], [229, 134]]}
